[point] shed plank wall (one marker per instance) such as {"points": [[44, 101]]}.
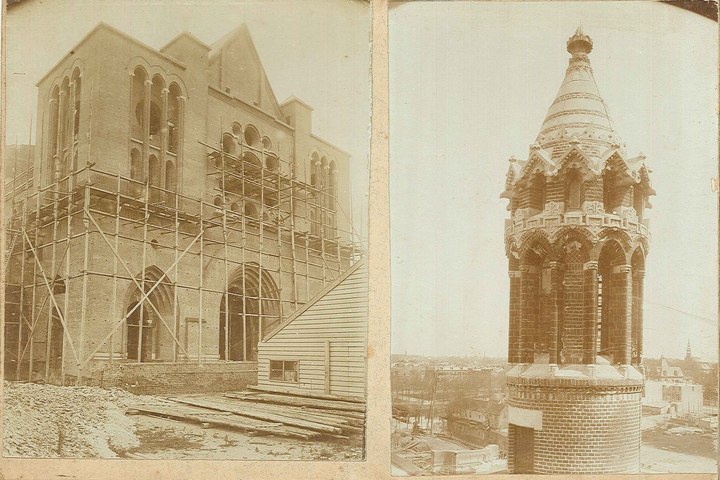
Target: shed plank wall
{"points": [[340, 317]]}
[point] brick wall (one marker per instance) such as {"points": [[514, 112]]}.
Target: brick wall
{"points": [[162, 378], [586, 429]]}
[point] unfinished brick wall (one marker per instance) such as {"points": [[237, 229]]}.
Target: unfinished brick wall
{"points": [[159, 378], [586, 428]]}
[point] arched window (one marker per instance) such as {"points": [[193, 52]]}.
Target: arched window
{"points": [[156, 122], [173, 118], [136, 173], [611, 303], [170, 182], [267, 143], [66, 116], [78, 95], [573, 193], [156, 102], [237, 130], [533, 324], [332, 198], [252, 137], [251, 210], [251, 163], [138, 102], [154, 178], [271, 162], [537, 192], [314, 165], [53, 161], [228, 144]]}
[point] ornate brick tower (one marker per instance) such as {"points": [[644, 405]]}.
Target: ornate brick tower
{"points": [[576, 244]]}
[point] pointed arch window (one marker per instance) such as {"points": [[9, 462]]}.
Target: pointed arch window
{"points": [[573, 192]]}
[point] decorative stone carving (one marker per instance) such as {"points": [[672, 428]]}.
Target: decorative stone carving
{"points": [[554, 208], [573, 246], [630, 214], [519, 215], [593, 208]]}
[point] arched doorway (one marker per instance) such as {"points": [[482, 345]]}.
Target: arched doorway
{"points": [[144, 326], [140, 333], [248, 311]]}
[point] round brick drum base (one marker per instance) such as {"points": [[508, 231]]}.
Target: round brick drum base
{"points": [[574, 425]]}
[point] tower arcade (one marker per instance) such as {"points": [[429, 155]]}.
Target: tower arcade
{"points": [[576, 244]]}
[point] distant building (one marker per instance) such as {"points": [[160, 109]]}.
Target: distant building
{"points": [[480, 422], [682, 398]]}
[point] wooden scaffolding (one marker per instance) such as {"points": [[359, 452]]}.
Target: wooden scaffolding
{"points": [[257, 205]]}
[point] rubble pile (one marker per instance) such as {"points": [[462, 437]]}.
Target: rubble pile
{"points": [[53, 421]]}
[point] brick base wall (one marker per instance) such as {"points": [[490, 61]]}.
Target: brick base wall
{"points": [[163, 378], [587, 429]]}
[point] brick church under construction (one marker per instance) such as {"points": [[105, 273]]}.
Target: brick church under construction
{"points": [[172, 216], [576, 243]]}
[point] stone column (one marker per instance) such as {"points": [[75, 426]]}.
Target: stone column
{"points": [[590, 312], [515, 316], [554, 312], [638, 277], [621, 312], [528, 312]]}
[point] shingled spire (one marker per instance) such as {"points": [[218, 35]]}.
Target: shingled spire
{"points": [[578, 111]]}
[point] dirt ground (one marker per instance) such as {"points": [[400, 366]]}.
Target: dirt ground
{"points": [[670, 448], [87, 422]]}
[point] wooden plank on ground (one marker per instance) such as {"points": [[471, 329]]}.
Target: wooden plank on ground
{"points": [[257, 414], [346, 424], [309, 402], [225, 420], [355, 418], [319, 396]]}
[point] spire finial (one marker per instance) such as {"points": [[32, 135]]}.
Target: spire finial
{"points": [[579, 43]]}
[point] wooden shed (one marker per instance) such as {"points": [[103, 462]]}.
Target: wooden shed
{"points": [[322, 348]]}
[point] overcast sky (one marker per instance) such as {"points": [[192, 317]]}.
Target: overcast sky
{"points": [[470, 85], [318, 51]]}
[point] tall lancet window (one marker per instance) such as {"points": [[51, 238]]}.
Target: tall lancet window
{"points": [[573, 192]]}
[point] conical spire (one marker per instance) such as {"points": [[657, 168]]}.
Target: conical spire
{"points": [[578, 115]]}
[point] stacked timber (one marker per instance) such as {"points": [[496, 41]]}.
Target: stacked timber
{"points": [[261, 412]]}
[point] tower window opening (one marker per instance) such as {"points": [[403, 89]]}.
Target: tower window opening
{"points": [[638, 201], [537, 192], [574, 191]]}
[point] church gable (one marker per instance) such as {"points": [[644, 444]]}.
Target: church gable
{"points": [[236, 69]]}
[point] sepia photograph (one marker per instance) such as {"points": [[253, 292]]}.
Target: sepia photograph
{"points": [[554, 237], [185, 221]]}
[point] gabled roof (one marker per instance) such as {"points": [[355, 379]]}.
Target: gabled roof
{"points": [[323, 293], [240, 37], [104, 26]]}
